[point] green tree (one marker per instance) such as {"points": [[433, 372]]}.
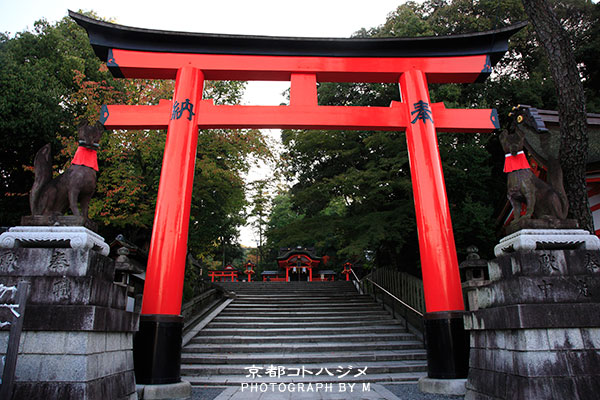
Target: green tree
{"points": [[37, 106], [367, 173], [570, 93], [50, 78], [260, 202]]}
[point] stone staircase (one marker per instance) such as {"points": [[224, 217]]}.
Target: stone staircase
{"points": [[281, 331]]}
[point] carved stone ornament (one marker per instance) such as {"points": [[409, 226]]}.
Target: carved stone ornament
{"points": [[547, 239], [76, 237]]}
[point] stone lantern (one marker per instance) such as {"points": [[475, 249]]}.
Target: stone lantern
{"points": [[473, 274]]}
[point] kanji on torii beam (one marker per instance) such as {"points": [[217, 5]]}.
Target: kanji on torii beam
{"points": [[192, 58]]}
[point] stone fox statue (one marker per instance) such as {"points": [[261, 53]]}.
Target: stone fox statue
{"points": [[544, 200], [52, 196]]}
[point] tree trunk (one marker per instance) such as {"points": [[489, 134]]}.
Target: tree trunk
{"points": [[571, 107]]}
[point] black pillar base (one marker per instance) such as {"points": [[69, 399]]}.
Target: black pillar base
{"points": [[447, 345], [157, 350]]}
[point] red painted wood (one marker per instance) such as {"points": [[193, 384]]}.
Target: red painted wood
{"points": [[157, 65], [303, 89], [210, 116], [441, 279], [163, 289]]}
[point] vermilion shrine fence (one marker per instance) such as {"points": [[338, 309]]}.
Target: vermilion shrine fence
{"points": [[191, 59]]}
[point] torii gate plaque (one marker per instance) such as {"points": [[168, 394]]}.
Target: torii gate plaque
{"points": [[191, 58]]}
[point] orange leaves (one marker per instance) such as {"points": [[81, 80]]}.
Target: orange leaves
{"points": [[90, 95]]}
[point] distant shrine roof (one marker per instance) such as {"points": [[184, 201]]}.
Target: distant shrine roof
{"points": [[287, 252], [105, 36]]}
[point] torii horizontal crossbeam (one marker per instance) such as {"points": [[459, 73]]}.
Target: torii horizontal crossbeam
{"points": [[210, 116]]}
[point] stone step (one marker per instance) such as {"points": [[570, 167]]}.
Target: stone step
{"points": [[303, 293], [303, 301], [287, 284], [372, 367], [289, 313], [301, 324], [300, 292], [235, 380], [292, 303], [291, 358], [293, 306], [306, 331], [297, 290], [301, 318], [293, 325], [325, 347], [242, 338], [273, 287]]}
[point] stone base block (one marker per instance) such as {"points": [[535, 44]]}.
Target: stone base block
{"points": [[454, 387], [545, 363], [492, 385], [173, 391], [79, 318], [74, 365], [118, 387]]}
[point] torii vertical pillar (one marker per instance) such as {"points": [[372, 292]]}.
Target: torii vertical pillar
{"points": [[157, 345], [445, 337]]}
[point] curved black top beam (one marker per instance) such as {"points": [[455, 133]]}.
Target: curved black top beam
{"points": [[104, 36]]}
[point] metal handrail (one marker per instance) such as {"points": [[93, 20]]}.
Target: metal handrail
{"points": [[386, 291], [395, 298], [355, 276]]}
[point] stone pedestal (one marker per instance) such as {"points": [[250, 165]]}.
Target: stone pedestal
{"points": [[75, 237], [77, 338], [537, 332]]}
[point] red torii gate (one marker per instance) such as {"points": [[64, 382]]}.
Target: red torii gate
{"points": [[192, 58]]}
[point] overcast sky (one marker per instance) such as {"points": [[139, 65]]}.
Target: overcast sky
{"points": [[314, 18], [324, 18]]}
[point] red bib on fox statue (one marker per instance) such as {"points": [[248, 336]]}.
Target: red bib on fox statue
{"points": [[87, 157], [513, 163]]}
